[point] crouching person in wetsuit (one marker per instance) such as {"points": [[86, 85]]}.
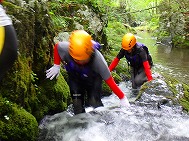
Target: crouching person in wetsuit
{"points": [[8, 42], [86, 69], [138, 59]]}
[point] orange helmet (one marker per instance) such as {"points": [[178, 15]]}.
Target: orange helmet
{"points": [[128, 41], [81, 46]]}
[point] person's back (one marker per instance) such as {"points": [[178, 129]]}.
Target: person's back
{"points": [[8, 42], [138, 55]]}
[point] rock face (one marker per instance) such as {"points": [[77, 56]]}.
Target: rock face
{"points": [[38, 27]]}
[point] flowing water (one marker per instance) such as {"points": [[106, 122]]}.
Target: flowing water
{"points": [[148, 119], [145, 120], [172, 61]]}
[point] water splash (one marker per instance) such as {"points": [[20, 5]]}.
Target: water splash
{"points": [[145, 120]]}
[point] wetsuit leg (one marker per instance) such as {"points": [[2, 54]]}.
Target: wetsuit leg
{"points": [[134, 86], [94, 92], [9, 50], [140, 77], [77, 94], [135, 89]]}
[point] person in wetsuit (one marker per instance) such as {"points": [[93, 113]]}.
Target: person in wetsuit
{"points": [[137, 58], [86, 68], [8, 42]]}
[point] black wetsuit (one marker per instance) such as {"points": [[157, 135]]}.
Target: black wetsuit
{"points": [[85, 81], [135, 60], [8, 43]]}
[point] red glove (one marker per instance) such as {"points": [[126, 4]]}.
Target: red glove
{"points": [[113, 64], [57, 58], [147, 70], [111, 83]]}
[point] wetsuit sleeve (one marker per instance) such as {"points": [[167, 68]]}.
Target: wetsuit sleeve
{"points": [[57, 58], [147, 70], [146, 65], [111, 83], [115, 62]]}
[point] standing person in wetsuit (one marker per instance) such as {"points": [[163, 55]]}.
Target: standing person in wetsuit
{"points": [[137, 58], [86, 69], [8, 42]]}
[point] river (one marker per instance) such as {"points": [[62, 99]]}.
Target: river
{"points": [[173, 61], [146, 120]]}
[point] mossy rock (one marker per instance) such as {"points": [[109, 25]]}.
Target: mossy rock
{"points": [[16, 124], [181, 97], [184, 101], [54, 97], [116, 77], [180, 91]]}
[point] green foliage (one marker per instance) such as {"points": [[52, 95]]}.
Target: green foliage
{"points": [[173, 20], [115, 32], [180, 41], [59, 22]]}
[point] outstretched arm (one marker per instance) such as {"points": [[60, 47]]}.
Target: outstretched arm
{"points": [[114, 64], [111, 83], [55, 69], [116, 59]]}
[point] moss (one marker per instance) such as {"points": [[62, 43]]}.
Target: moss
{"points": [[185, 104], [54, 97], [171, 82], [16, 85], [116, 77], [145, 86], [186, 91], [184, 101], [12, 6], [64, 74], [25, 83], [16, 123]]}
